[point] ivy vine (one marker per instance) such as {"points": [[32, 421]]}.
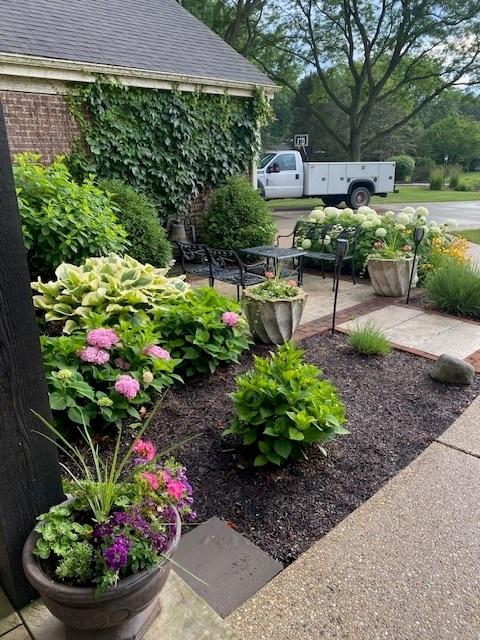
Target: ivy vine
{"points": [[169, 144]]}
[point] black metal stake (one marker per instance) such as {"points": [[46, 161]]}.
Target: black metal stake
{"points": [[341, 251], [418, 235]]}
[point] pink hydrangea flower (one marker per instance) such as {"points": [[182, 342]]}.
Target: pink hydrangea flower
{"points": [[151, 479], [102, 338], [292, 283], [127, 386], [145, 449], [175, 489], [230, 318], [154, 351], [166, 476], [121, 363], [94, 355]]}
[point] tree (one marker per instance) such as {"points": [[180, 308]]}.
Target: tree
{"points": [[407, 51], [455, 136], [253, 27]]}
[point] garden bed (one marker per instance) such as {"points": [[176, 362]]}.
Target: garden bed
{"points": [[395, 410]]}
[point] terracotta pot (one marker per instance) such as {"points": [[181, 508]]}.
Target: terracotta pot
{"points": [[273, 321], [390, 277], [122, 613]]}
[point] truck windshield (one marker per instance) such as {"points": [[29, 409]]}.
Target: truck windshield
{"points": [[265, 160]]}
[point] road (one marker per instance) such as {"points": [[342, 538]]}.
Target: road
{"points": [[467, 214]]}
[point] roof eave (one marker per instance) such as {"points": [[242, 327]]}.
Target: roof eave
{"points": [[59, 72]]}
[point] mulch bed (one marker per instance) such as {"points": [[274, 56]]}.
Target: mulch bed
{"points": [[395, 410]]}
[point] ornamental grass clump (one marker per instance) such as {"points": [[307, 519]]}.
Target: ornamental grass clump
{"points": [[122, 517], [368, 340], [454, 287], [283, 406]]}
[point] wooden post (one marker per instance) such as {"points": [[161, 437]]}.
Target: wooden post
{"points": [[29, 470]]}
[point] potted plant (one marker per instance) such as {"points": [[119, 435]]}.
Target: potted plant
{"points": [[274, 309], [100, 559], [390, 264]]}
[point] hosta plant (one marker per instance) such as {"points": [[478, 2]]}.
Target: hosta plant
{"points": [[117, 286], [102, 376], [202, 330], [283, 406], [122, 517]]}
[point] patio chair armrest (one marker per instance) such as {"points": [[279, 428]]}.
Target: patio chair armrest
{"points": [[284, 235]]}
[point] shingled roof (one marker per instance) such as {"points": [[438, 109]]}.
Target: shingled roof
{"points": [[148, 35]]}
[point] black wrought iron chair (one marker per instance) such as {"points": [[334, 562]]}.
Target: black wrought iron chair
{"points": [[227, 266], [193, 258], [324, 237]]}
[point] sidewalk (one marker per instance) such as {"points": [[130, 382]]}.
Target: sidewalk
{"points": [[405, 565]]}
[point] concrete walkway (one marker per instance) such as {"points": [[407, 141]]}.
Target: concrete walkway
{"points": [[404, 566]]}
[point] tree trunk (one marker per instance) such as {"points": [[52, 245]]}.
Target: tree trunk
{"points": [[355, 147], [30, 474]]}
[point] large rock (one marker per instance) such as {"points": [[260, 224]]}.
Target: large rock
{"points": [[452, 370]]}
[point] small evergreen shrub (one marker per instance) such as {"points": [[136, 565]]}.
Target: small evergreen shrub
{"points": [[237, 217], [202, 331], [63, 221], [282, 406], [423, 169], [404, 167], [368, 340], [437, 180], [454, 287], [137, 214]]}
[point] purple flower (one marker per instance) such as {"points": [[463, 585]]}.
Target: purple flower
{"points": [[103, 529], [116, 556]]}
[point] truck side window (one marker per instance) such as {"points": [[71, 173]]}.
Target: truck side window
{"points": [[286, 162]]}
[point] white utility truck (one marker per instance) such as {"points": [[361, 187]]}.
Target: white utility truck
{"points": [[285, 174]]}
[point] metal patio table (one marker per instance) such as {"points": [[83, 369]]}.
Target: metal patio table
{"points": [[279, 254]]}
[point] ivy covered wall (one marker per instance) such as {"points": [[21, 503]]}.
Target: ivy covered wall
{"points": [[169, 144]]}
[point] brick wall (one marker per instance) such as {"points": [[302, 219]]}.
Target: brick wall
{"points": [[38, 122]]}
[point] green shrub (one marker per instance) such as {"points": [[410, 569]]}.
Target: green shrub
{"points": [[437, 180], [111, 286], [455, 288], [237, 217], [423, 169], [463, 186], [202, 330], [404, 167], [137, 214], [63, 221], [368, 340], [282, 406], [454, 179]]}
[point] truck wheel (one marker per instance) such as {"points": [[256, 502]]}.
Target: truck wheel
{"points": [[359, 197], [331, 201]]}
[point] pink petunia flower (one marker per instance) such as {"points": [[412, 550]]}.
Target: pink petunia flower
{"points": [[127, 386], [175, 489], [269, 275], [94, 355], [154, 351], [145, 449], [102, 338], [151, 479], [230, 318], [292, 283]]}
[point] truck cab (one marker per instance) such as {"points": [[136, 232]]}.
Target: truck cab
{"points": [[280, 175]]}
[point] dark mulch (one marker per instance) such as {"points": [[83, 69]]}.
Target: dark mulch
{"points": [[395, 410]]}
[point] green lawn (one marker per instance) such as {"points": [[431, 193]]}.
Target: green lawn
{"points": [[472, 235], [406, 194]]}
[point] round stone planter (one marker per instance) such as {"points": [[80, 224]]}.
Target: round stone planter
{"points": [[273, 321], [390, 277], [122, 613]]}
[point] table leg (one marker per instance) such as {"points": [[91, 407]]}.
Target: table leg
{"points": [[300, 271]]}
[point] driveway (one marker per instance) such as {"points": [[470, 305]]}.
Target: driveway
{"points": [[467, 214]]}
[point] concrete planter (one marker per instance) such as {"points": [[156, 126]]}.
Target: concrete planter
{"points": [[390, 277], [122, 613], [273, 321]]}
